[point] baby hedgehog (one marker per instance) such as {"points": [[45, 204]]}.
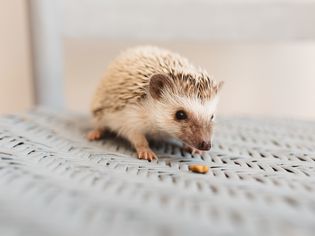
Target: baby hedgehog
{"points": [[149, 91]]}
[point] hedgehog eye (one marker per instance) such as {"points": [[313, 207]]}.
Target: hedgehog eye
{"points": [[212, 117], [181, 115]]}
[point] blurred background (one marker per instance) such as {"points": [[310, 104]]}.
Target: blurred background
{"points": [[53, 53]]}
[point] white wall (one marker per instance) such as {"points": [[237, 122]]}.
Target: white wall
{"points": [[16, 91]]}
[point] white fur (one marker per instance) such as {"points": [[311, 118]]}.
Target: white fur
{"points": [[203, 111]]}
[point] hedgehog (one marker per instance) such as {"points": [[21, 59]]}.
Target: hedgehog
{"points": [[150, 92]]}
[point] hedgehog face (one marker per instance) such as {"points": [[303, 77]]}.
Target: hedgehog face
{"points": [[195, 121], [189, 119]]}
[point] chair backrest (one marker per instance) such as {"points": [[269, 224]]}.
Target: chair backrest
{"points": [[192, 20], [46, 37]]}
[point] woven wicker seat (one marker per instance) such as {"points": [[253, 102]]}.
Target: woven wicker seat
{"points": [[53, 181]]}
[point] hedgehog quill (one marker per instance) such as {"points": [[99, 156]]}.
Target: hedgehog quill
{"points": [[152, 92]]}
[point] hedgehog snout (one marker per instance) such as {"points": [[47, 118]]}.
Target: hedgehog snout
{"points": [[204, 145]]}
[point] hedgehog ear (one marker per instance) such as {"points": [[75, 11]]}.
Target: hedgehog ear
{"points": [[158, 83], [218, 86]]}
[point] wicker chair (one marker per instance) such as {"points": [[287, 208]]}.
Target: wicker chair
{"points": [[53, 181]]}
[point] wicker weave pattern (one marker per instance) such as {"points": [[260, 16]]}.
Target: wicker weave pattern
{"points": [[54, 182]]}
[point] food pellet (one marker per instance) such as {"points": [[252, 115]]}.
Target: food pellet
{"points": [[198, 168]]}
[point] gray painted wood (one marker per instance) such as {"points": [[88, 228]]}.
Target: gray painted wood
{"points": [[46, 37], [218, 20]]}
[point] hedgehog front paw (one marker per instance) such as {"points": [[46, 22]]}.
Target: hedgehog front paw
{"points": [[94, 135], [192, 150], [146, 154]]}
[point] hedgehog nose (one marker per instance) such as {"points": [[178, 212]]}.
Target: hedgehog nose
{"points": [[204, 146]]}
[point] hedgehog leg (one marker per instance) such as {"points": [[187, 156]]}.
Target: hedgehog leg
{"points": [[141, 145], [146, 154], [95, 134]]}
